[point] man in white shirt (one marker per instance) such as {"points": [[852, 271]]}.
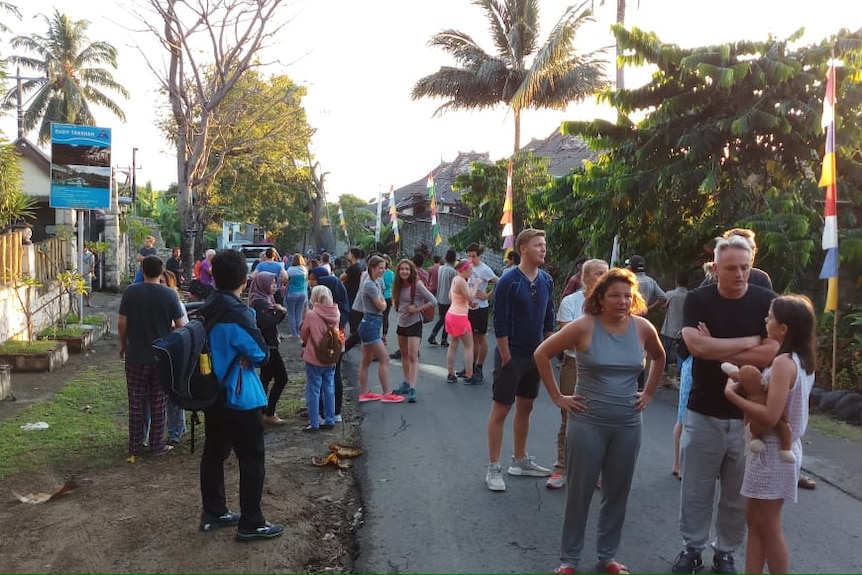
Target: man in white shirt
{"points": [[478, 283]]}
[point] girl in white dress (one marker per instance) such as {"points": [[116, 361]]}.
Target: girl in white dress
{"points": [[768, 480]]}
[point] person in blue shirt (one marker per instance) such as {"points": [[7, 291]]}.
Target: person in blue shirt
{"points": [[523, 318], [236, 423]]}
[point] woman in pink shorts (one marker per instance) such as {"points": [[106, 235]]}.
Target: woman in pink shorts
{"points": [[458, 324]]}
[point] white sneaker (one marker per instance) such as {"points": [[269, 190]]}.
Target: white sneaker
{"points": [[494, 477], [528, 467], [337, 418]]}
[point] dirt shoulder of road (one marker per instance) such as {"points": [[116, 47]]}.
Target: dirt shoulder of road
{"points": [[143, 517]]}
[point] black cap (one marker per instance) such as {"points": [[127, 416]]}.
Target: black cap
{"points": [[636, 263]]}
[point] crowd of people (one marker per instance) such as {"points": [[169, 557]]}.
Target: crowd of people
{"points": [[609, 356]]}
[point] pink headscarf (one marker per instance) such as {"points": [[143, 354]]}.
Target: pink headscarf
{"points": [[260, 289]]}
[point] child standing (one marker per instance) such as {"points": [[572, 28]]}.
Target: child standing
{"points": [[319, 377], [769, 481]]}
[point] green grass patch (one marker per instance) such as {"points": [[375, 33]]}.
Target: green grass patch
{"points": [[92, 319], [827, 425], [37, 347], [88, 426], [56, 331]]}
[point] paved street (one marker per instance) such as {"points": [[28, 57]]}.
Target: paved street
{"points": [[427, 509]]}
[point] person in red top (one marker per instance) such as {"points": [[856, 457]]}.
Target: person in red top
{"points": [[575, 283], [433, 271]]}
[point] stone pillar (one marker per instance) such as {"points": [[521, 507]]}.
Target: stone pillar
{"points": [[114, 258]]}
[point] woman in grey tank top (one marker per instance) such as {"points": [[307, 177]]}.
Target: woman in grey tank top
{"points": [[604, 428]]}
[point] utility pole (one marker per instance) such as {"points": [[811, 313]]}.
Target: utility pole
{"points": [[20, 97]]}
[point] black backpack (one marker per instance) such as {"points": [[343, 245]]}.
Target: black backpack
{"points": [[184, 366]]}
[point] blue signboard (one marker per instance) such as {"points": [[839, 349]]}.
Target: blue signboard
{"points": [[80, 167]]}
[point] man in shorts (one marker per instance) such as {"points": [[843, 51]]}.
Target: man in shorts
{"points": [[523, 318], [478, 315]]}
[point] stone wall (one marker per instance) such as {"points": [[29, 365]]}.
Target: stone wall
{"points": [[418, 232], [45, 303]]}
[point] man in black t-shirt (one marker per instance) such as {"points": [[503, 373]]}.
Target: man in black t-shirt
{"points": [[352, 278], [721, 322], [147, 312]]}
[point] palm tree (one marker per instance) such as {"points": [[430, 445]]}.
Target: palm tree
{"points": [[74, 78], [521, 75], [621, 21]]}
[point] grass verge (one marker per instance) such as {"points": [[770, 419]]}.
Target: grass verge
{"points": [[827, 425], [88, 426]]}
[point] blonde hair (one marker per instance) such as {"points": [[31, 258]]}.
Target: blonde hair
{"points": [[733, 241], [321, 294]]}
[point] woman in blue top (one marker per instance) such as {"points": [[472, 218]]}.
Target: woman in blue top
{"points": [[296, 298], [603, 433]]}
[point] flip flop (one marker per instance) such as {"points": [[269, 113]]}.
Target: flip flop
{"points": [[806, 482], [164, 450]]}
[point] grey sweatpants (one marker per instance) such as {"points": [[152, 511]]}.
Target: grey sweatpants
{"points": [[712, 448], [590, 449]]}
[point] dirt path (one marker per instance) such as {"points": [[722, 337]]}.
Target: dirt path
{"points": [[144, 517]]}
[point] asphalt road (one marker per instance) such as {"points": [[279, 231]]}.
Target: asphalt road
{"points": [[427, 509]]}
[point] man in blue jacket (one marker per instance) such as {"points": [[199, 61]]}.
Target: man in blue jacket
{"points": [[236, 423]]}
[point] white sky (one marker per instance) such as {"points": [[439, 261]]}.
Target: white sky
{"points": [[360, 60]]}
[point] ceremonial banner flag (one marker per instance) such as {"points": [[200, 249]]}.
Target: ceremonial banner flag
{"points": [[435, 227], [828, 180], [506, 220], [393, 214], [379, 216], [341, 219]]}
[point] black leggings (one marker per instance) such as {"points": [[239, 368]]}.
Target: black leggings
{"points": [[442, 308], [354, 320], [273, 369]]}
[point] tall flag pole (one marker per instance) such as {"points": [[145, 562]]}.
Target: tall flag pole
{"points": [[393, 214], [379, 215], [343, 224], [435, 227], [506, 220], [828, 180]]}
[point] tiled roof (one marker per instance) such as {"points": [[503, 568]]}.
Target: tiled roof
{"points": [[565, 152]]}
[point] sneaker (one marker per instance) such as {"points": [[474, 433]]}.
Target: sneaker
{"points": [[391, 398], [494, 478], [471, 380], [722, 562], [267, 531], [529, 467], [337, 418], [477, 373], [444, 343], [411, 395], [395, 355], [688, 561], [556, 481], [565, 569], [228, 519], [462, 373], [369, 396], [451, 378], [402, 389], [432, 341]]}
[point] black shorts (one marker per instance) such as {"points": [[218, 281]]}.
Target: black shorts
{"points": [[518, 378], [479, 319], [414, 330]]}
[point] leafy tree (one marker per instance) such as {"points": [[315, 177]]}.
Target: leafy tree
{"points": [[357, 215], [484, 191], [198, 82], [730, 134], [15, 204], [10, 9], [522, 75], [76, 76]]}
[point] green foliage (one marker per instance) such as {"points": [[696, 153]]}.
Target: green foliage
{"points": [[75, 75], [484, 191], [55, 332], [848, 349], [15, 347], [357, 215], [15, 204], [730, 136], [522, 74]]}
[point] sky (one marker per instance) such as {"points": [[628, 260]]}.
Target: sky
{"points": [[359, 61]]}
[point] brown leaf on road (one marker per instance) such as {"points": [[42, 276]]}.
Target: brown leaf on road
{"points": [[37, 498]]}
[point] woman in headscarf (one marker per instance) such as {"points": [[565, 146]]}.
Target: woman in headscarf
{"points": [[261, 298]]}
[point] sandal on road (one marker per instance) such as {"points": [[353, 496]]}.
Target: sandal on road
{"points": [[612, 567]]}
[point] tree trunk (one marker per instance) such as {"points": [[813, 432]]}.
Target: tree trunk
{"points": [[516, 112]]}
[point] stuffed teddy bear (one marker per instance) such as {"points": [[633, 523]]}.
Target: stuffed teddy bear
{"points": [[754, 388]]}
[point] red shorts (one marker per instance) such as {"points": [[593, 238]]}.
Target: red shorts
{"points": [[457, 325]]}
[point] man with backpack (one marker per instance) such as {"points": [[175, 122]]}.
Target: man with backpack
{"points": [[235, 422], [148, 311]]}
